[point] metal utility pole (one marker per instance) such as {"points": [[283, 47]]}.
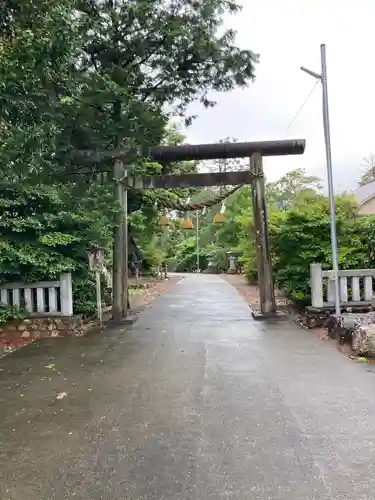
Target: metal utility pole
{"points": [[327, 139]]}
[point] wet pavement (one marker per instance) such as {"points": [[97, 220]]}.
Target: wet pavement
{"points": [[195, 401]]}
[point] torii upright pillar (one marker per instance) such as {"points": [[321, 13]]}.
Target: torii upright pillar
{"points": [[265, 279]]}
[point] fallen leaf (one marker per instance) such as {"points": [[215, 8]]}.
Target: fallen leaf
{"points": [[51, 366], [361, 359], [61, 395]]}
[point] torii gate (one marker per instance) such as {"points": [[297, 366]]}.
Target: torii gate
{"points": [[254, 176]]}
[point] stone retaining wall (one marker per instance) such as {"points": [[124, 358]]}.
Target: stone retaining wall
{"points": [[41, 327], [357, 330]]}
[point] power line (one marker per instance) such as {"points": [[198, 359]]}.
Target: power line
{"points": [[301, 108]]}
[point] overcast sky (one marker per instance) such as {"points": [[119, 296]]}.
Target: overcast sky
{"points": [[287, 35]]}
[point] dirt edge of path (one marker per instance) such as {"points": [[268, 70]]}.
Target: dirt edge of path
{"points": [[250, 293], [142, 298]]}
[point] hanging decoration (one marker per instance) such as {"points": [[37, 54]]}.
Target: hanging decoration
{"points": [[164, 220], [187, 207], [186, 224], [219, 218]]}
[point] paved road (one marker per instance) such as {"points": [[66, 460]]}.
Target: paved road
{"points": [[195, 402]]}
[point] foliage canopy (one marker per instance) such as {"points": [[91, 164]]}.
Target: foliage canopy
{"points": [[94, 74]]}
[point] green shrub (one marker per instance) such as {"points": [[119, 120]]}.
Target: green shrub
{"points": [[9, 313], [186, 256], [84, 295], [301, 236]]}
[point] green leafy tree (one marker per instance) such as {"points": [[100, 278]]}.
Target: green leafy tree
{"points": [[368, 167], [97, 75], [141, 56], [37, 47], [291, 186], [45, 232]]}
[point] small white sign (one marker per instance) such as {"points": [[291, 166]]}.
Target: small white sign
{"points": [[96, 259]]}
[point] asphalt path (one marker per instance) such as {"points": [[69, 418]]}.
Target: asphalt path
{"points": [[195, 401]]}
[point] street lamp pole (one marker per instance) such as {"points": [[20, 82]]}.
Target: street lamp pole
{"points": [[327, 139]]}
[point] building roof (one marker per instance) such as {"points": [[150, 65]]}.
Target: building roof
{"points": [[365, 192]]}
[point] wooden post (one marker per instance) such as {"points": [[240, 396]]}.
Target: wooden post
{"points": [[118, 247], [99, 297], [266, 288], [125, 296]]}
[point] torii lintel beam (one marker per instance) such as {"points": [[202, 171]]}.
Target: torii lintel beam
{"points": [[186, 152], [223, 150], [163, 154]]}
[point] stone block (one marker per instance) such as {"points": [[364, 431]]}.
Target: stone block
{"points": [[275, 316], [355, 329], [41, 327], [363, 342]]}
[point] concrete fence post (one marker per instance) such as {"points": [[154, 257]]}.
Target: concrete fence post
{"points": [[66, 294], [316, 282]]}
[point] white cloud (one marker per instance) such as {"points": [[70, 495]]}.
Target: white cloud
{"points": [[287, 35]]}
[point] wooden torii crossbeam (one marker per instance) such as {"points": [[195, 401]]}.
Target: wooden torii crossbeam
{"points": [[223, 150], [168, 154], [254, 176], [195, 180]]}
